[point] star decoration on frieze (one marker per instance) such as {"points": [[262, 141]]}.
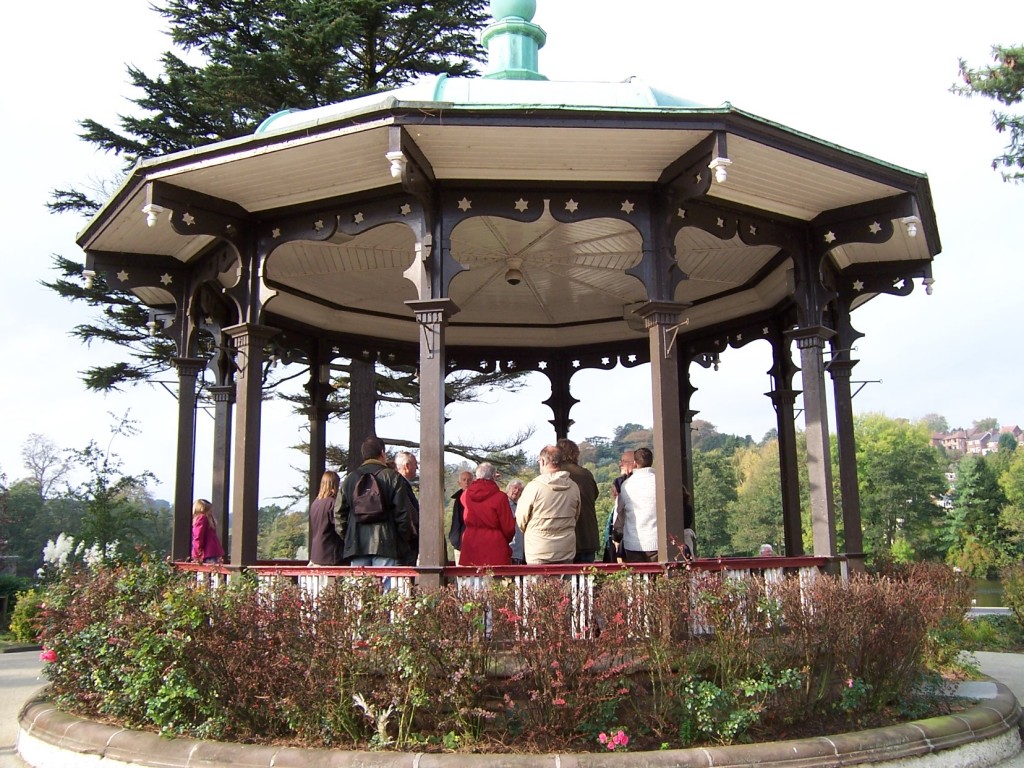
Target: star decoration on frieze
{"points": [[510, 365], [522, 205], [605, 360], [572, 206], [318, 224], [627, 206], [739, 337], [188, 218], [465, 204], [858, 285], [542, 365], [275, 232], [681, 213], [764, 331], [698, 178], [875, 228], [123, 276], [753, 230], [830, 236], [406, 209], [166, 278], [720, 222], [575, 363], [358, 218]]}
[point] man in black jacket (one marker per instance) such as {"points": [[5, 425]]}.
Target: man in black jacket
{"points": [[376, 543]]}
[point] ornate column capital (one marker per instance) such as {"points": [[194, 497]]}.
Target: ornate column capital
{"points": [[811, 336], [189, 366], [222, 394], [432, 311], [661, 312]]}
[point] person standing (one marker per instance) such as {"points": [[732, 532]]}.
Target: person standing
{"points": [[206, 546], [588, 539], [514, 490], [490, 524], [636, 512], [458, 524], [325, 544], [375, 543], [547, 512], [407, 466], [612, 548]]}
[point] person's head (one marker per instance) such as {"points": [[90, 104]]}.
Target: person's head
{"points": [[372, 448], [486, 471], [329, 485], [643, 457], [202, 507], [406, 465], [514, 489], [550, 459], [627, 462], [465, 478], [570, 451], [766, 550]]}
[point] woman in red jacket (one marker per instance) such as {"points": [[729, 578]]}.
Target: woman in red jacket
{"points": [[490, 524]]}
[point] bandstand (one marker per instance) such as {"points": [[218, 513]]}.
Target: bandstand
{"points": [[513, 223]]}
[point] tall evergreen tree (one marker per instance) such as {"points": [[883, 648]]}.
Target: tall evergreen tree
{"points": [[1003, 80]]}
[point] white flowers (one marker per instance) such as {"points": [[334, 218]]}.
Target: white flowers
{"points": [[56, 554]]}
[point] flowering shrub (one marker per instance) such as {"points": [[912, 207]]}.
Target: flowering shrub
{"points": [[671, 660]]}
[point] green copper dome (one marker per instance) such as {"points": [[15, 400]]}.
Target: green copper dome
{"points": [[511, 80], [522, 9]]}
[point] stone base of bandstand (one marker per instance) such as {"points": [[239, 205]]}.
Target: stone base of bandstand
{"points": [[983, 735]]}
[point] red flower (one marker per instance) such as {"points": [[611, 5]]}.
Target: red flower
{"points": [[48, 655]]}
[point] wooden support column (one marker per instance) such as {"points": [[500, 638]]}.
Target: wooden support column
{"points": [[318, 388], [181, 536], [249, 340], [223, 402], [849, 487], [661, 318], [559, 373], [789, 470], [432, 316], [811, 342], [783, 398]]}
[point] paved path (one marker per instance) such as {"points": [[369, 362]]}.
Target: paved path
{"points": [[20, 677]]}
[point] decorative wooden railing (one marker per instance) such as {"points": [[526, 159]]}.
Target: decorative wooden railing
{"points": [[476, 581]]}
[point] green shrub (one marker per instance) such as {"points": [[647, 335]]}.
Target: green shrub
{"points": [[691, 657], [1013, 590], [24, 623]]}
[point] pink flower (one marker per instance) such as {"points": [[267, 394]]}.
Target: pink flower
{"points": [[48, 655], [559, 702], [611, 746], [602, 737], [849, 682], [622, 738]]}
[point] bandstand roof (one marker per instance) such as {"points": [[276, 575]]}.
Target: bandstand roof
{"points": [[535, 157]]}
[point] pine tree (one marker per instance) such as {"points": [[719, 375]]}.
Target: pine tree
{"points": [[1003, 80]]}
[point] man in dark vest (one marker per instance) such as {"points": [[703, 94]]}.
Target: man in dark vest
{"points": [[588, 539], [378, 543]]}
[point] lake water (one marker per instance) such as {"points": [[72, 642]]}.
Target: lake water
{"points": [[988, 593]]}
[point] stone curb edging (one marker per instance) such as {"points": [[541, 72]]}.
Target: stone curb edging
{"points": [[989, 730]]}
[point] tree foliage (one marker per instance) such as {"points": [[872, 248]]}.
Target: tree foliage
{"points": [[900, 477], [1003, 81]]}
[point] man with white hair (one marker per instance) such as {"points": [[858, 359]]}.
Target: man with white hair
{"points": [[407, 466], [514, 490]]}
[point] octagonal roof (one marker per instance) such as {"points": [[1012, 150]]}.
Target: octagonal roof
{"points": [[542, 145]]}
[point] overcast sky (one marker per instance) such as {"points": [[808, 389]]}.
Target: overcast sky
{"points": [[873, 77]]}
